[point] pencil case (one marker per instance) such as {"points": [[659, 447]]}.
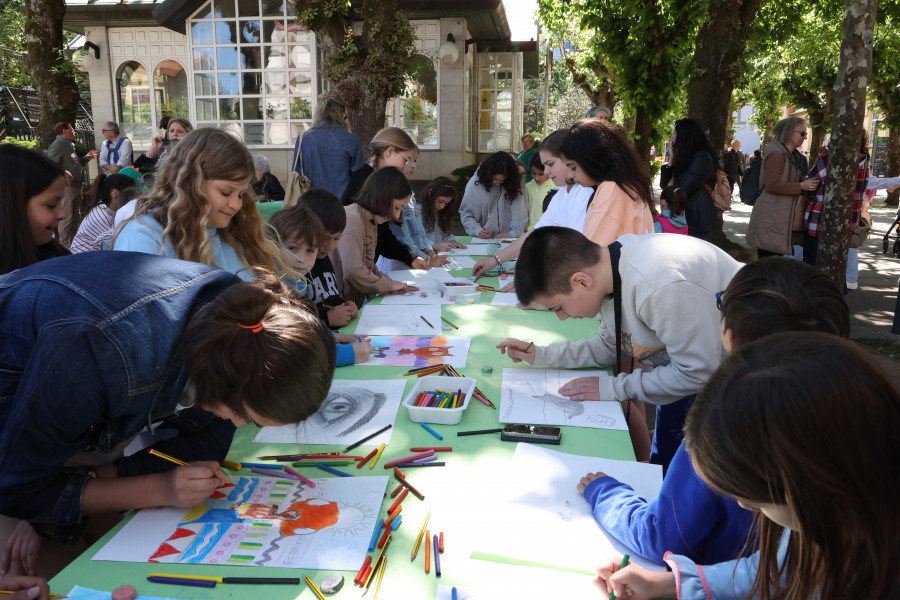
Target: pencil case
{"points": [[433, 414]]}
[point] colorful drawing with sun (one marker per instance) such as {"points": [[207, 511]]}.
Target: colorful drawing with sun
{"points": [[411, 351], [278, 523]]}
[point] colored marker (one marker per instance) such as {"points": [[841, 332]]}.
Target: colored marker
{"points": [[362, 569], [333, 471], [427, 551], [230, 464], [622, 565], [435, 448], [437, 558], [412, 457], [367, 438], [418, 464], [218, 579], [166, 457], [426, 321], [453, 594], [432, 431], [247, 465], [398, 500], [375, 534], [441, 542], [330, 463], [419, 537], [397, 490], [377, 456], [300, 477], [396, 522], [478, 432], [190, 582], [272, 473], [415, 492], [366, 459], [425, 460]]}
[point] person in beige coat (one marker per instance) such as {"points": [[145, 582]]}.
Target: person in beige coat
{"points": [[381, 199], [778, 211]]}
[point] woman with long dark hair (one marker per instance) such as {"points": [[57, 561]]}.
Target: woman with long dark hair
{"points": [[600, 156], [493, 205], [692, 167]]}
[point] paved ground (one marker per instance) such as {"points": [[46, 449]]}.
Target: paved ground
{"points": [[872, 304]]}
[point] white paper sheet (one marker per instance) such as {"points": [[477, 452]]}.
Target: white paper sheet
{"points": [[460, 262], [399, 320], [423, 296], [326, 527], [351, 411], [493, 581], [478, 240], [544, 519], [504, 299], [426, 281], [418, 276], [409, 351], [531, 396], [474, 250]]}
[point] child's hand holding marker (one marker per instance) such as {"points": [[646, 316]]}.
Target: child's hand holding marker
{"points": [[518, 350], [362, 349], [191, 484], [629, 581]]}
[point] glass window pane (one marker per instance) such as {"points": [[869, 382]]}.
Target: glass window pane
{"points": [[134, 102], [224, 9], [206, 109], [275, 58], [252, 109], [250, 33], [296, 33], [299, 57], [227, 58], [228, 83], [250, 57], [205, 11], [171, 88], [204, 59], [253, 134], [504, 100], [248, 8], [202, 33], [504, 119], [485, 120], [251, 83], [502, 140], [273, 32], [204, 84], [275, 82], [299, 83], [301, 108], [272, 8], [228, 109], [279, 134], [486, 141], [276, 108], [504, 79], [297, 129], [226, 32]]}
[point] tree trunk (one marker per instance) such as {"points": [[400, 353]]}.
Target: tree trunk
{"points": [[849, 103], [717, 65], [52, 74], [893, 164], [819, 127], [366, 120], [767, 134], [643, 130], [628, 125]]}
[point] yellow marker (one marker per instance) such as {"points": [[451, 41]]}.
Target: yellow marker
{"points": [[171, 459], [236, 466], [377, 456]]}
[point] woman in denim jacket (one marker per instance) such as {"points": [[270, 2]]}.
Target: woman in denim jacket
{"points": [[95, 347]]}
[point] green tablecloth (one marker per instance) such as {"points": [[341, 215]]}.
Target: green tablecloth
{"points": [[453, 493], [267, 209]]}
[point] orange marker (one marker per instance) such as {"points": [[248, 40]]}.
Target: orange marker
{"points": [[391, 517], [441, 541], [427, 551]]}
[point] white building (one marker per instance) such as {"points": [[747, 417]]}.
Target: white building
{"points": [[245, 66]]}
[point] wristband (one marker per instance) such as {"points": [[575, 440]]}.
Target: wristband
{"points": [[497, 259]]}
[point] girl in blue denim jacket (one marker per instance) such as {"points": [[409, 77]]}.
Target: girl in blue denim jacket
{"points": [[94, 347], [800, 428]]}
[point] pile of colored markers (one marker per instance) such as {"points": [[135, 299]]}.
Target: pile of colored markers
{"points": [[452, 372], [485, 288], [440, 399]]}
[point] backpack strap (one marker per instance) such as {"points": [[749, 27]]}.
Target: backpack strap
{"points": [[615, 252]]}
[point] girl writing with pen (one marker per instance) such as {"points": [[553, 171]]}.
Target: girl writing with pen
{"points": [[98, 346]]}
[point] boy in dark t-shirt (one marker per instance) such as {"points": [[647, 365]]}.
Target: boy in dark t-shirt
{"points": [[333, 308]]}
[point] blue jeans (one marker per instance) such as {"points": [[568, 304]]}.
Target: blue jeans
{"points": [[669, 430]]}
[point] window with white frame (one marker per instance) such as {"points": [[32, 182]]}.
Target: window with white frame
{"points": [[495, 99], [133, 85], [253, 70]]}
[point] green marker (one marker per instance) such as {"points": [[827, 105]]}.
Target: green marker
{"points": [[612, 595]]}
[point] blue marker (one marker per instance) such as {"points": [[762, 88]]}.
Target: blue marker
{"points": [[375, 534], [396, 522], [432, 431], [453, 594], [333, 471], [247, 465]]}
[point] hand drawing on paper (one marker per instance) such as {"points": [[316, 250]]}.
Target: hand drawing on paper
{"points": [[532, 396]]}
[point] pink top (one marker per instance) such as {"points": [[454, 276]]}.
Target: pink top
{"points": [[613, 213]]}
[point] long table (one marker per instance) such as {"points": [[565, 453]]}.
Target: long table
{"points": [[455, 494]]}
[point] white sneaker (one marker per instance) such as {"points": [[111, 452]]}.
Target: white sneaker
{"points": [[852, 285]]}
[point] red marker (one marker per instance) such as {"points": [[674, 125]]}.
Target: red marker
{"points": [[441, 542], [366, 459], [398, 500], [396, 491]]}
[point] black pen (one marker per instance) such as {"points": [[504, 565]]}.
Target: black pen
{"points": [[478, 432], [366, 439]]}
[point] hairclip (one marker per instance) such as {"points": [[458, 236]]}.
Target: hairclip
{"points": [[676, 190], [254, 328]]}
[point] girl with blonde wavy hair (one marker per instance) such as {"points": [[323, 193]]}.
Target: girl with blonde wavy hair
{"points": [[202, 209]]}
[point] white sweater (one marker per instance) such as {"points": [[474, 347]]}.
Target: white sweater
{"points": [[669, 319], [492, 209]]}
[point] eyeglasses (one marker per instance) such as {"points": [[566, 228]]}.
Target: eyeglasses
{"points": [[802, 133], [719, 297]]}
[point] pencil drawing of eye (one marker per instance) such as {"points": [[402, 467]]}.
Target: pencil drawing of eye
{"points": [[351, 407]]}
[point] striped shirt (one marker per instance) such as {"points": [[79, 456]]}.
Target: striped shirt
{"points": [[95, 230]]}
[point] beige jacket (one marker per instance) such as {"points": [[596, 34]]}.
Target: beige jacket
{"points": [[773, 216], [354, 259]]}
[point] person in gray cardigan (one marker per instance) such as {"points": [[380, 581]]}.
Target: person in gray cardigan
{"points": [[62, 152]]}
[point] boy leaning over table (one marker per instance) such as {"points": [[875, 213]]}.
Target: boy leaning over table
{"points": [[669, 318]]}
